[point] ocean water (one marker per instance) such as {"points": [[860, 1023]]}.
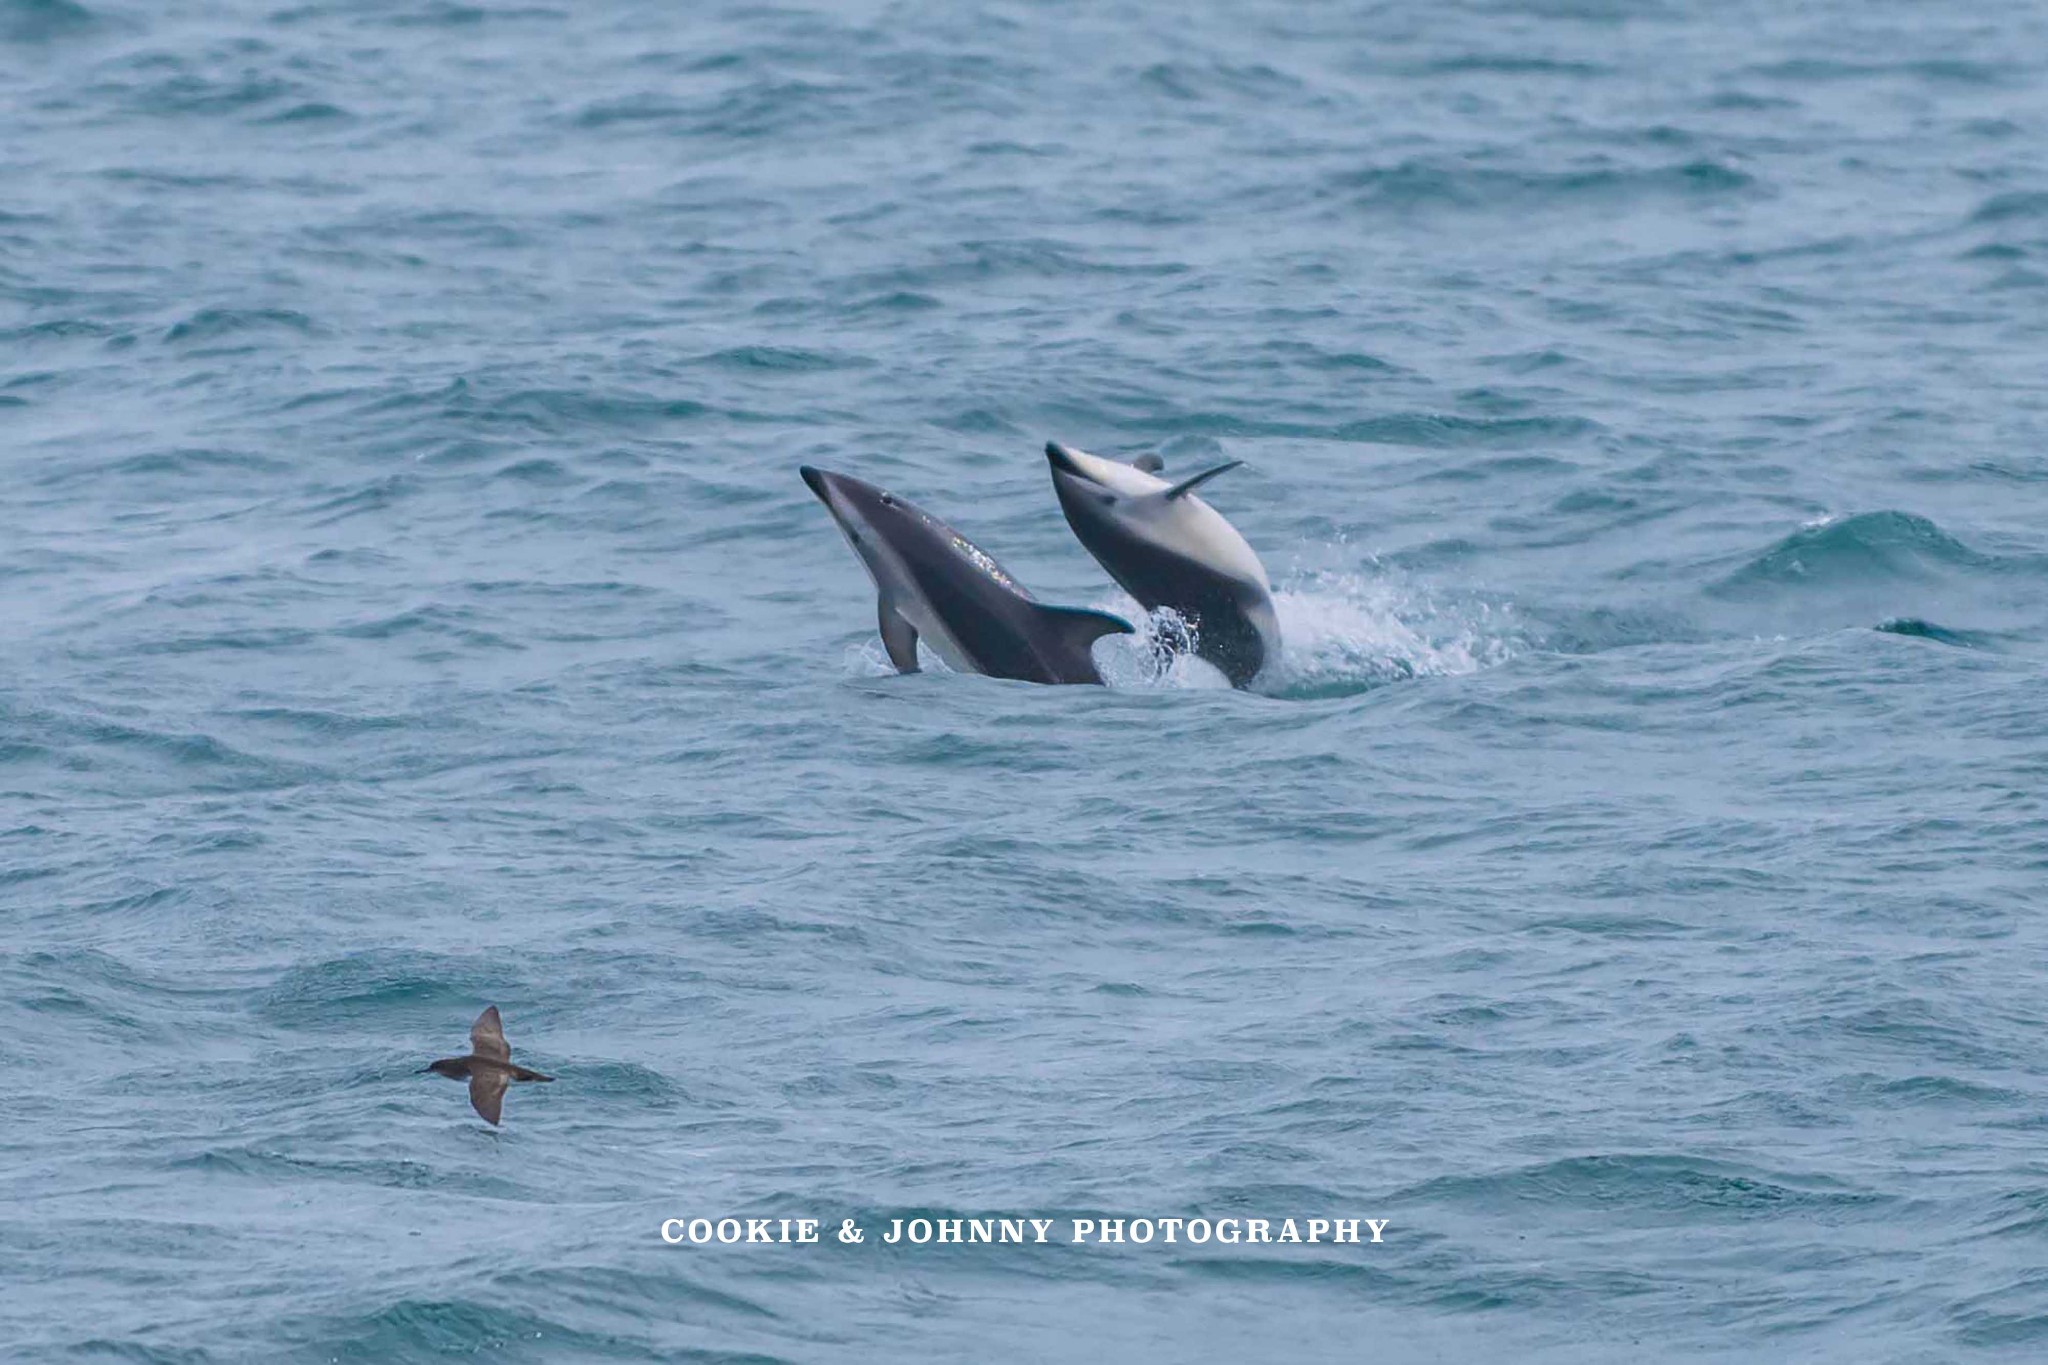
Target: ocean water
{"points": [[1629, 884]]}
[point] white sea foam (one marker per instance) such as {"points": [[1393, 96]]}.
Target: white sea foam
{"points": [[867, 659], [1344, 630], [1341, 631]]}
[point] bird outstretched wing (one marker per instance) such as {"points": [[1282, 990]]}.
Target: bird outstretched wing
{"points": [[487, 1039], [487, 1093]]}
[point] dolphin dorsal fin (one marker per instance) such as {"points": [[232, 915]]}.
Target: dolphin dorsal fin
{"points": [[1189, 484], [1150, 464]]}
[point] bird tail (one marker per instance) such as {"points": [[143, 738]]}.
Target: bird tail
{"points": [[520, 1073]]}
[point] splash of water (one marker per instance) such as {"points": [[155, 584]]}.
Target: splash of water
{"points": [[869, 660], [1345, 632], [1341, 631], [1160, 655]]}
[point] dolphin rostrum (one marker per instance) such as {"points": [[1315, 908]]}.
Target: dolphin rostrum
{"points": [[488, 1068], [936, 585], [1168, 548]]}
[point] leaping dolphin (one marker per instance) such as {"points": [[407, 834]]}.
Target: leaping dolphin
{"points": [[1168, 548], [934, 584]]}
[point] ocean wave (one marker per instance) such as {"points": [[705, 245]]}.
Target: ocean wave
{"points": [[431, 1329], [1415, 185], [1914, 628], [1648, 1184], [42, 21], [211, 324], [1854, 551]]}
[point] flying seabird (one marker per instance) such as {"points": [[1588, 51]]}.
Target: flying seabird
{"points": [[488, 1068]]}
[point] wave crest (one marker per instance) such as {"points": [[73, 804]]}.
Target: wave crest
{"points": [[1849, 552]]}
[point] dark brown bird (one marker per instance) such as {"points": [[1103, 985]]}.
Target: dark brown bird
{"points": [[488, 1068]]}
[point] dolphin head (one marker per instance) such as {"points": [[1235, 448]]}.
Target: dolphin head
{"points": [[852, 502], [1090, 489], [891, 534], [1112, 506], [1115, 509], [872, 519]]}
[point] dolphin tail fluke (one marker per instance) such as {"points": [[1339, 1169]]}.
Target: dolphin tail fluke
{"points": [[1080, 626], [899, 637]]}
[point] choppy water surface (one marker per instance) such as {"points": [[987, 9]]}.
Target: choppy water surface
{"points": [[1629, 884]]}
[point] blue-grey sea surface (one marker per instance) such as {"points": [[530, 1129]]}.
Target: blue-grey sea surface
{"points": [[1629, 882]]}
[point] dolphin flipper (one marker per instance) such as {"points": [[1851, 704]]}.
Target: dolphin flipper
{"points": [[899, 637], [1189, 484]]}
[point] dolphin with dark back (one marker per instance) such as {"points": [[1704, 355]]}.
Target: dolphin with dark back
{"points": [[1168, 548], [936, 585]]}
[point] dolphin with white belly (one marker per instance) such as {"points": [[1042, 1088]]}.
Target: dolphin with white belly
{"points": [[1168, 548], [936, 585]]}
